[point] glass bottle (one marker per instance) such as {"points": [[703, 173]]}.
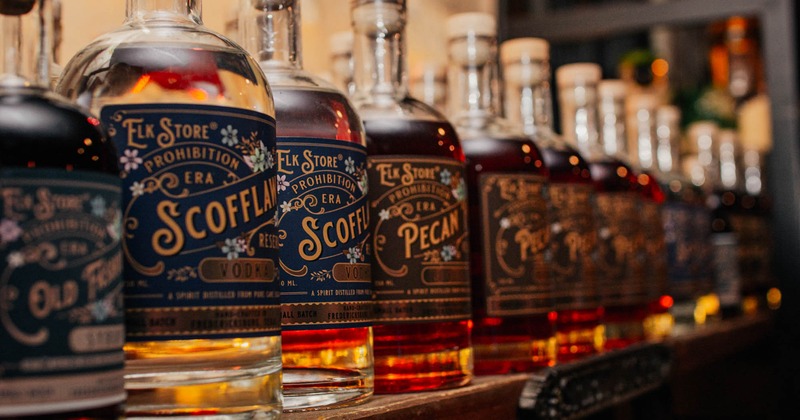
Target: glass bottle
{"points": [[573, 237], [680, 200], [614, 100], [326, 288], [728, 201], [702, 165], [192, 117], [418, 215], [60, 199], [641, 111], [617, 201], [512, 293], [341, 44]]}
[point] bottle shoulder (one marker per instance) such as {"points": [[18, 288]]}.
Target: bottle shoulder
{"points": [[42, 129], [165, 63], [405, 108], [307, 106]]}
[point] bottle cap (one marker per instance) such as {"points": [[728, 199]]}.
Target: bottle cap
{"points": [[614, 88], [524, 50], [643, 100], [477, 24], [578, 74], [341, 43], [727, 136], [702, 128], [386, 15], [667, 114]]}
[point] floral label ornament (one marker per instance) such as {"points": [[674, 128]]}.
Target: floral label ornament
{"points": [[199, 214], [60, 287], [420, 239], [325, 270]]}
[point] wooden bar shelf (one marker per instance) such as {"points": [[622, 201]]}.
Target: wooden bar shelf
{"points": [[570, 390]]}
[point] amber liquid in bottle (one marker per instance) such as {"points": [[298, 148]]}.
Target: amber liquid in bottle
{"points": [[419, 356], [625, 313], [579, 317], [495, 338]]}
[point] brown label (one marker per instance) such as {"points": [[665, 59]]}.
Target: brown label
{"points": [[420, 265], [516, 233], [654, 267], [573, 241], [754, 249], [618, 264]]}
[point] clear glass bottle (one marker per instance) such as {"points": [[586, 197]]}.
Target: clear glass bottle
{"points": [[60, 199], [617, 202], [418, 214], [192, 117], [641, 111], [326, 287], [573, 236], [680, 201], [512, 293]]}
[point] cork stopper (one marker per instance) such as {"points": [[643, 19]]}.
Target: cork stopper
{"points": [[471, 24], [644, 100], [578, 74], [524, 50], [471, 38], [668, 114], [380, 16], [612, 88]]}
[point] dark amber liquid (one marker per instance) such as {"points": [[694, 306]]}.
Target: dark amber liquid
{"points": [[511, 155], [39, 130], [609, 176], [568, 167], [327, 115], [400, 350], [652, 192]]}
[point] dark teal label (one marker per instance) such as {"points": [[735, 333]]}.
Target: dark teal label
{"points": [[324, 230], [201, 242], [61, 309]]}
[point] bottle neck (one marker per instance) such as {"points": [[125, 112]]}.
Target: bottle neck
{"points": [[613, 130], [25, 47], [378, 51], [528, 98], [140, 10], [752, 162], [668, 154], [271, 32], [646, 141], [728, 168], [471, 78], [579, 117], [706, 172]]}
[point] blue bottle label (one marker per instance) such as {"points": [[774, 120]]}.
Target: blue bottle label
{"points": [[324, 230], [61, 309], [201, 242]]}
